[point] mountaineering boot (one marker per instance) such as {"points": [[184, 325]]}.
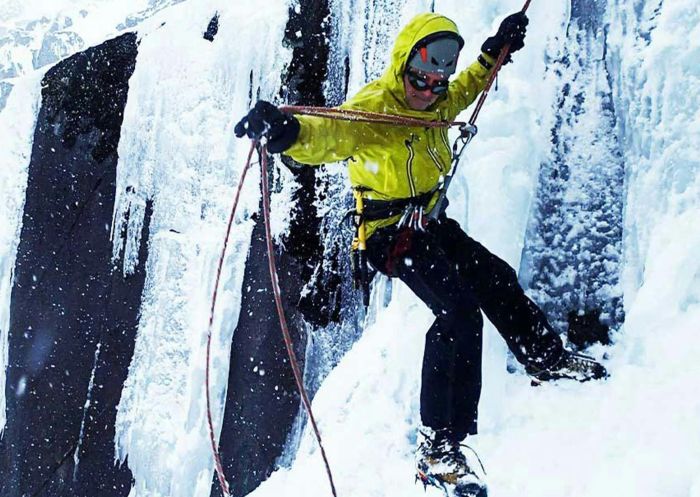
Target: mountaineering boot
{"points": [[571, 366], [441, 463]]}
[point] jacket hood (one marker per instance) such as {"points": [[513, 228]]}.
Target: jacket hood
{"points": [[421, 26]]}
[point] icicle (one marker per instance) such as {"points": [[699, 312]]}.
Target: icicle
{"points": [[86, 407]]}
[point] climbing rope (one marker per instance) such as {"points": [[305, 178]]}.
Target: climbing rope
{"points": [[215, 450], [283, 321], [497, 67], [468, 129], [367, 117]]}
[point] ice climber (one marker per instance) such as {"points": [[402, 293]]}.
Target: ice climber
{"points": [[396, 168]]}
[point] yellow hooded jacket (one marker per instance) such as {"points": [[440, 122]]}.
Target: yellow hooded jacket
{"points": [[393, 162]]}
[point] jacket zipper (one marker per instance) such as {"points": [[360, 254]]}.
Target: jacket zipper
{"points": [[445, 138], [446, 141], [435, 159], [432, 150], [409, 166]]}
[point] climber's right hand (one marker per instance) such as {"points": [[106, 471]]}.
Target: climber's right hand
{"points": [[280, 129]]}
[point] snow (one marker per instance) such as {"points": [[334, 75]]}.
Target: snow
{"points": [[17, 123], [605, 439], [367, 411], [35, 34], [635, 434]]}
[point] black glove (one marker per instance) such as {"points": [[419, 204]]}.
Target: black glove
{"points": [[267, 120], [512, 30]]}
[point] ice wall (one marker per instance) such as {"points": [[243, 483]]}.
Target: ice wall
{"points": [[657, 91], [17, 122], [178, 151], [573, 251]]}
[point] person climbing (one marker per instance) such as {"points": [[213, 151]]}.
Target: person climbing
{"points": [[397, 170]]}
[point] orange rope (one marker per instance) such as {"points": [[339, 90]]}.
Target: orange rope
{"points": [[298, 378], [497, 67], [366, 116], [215, 450]]}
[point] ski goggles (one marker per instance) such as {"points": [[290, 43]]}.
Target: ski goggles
{"points": [[420, 82]]}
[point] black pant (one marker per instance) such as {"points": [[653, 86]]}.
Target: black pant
{"points": [[457, 277]]}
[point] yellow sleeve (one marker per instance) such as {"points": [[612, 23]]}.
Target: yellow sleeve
{"points": [[467, 85], [324, 140]]}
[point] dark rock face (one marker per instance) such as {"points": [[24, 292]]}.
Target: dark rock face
{"points": [[212, 28], [73, 317], [262, 399], [303, 85]]}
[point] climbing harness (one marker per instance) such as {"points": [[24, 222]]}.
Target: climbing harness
{"points": [[413, 218], [411, 209], [373, 210]]}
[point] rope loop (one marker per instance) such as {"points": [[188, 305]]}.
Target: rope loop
{"points": [[367, 117]]}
